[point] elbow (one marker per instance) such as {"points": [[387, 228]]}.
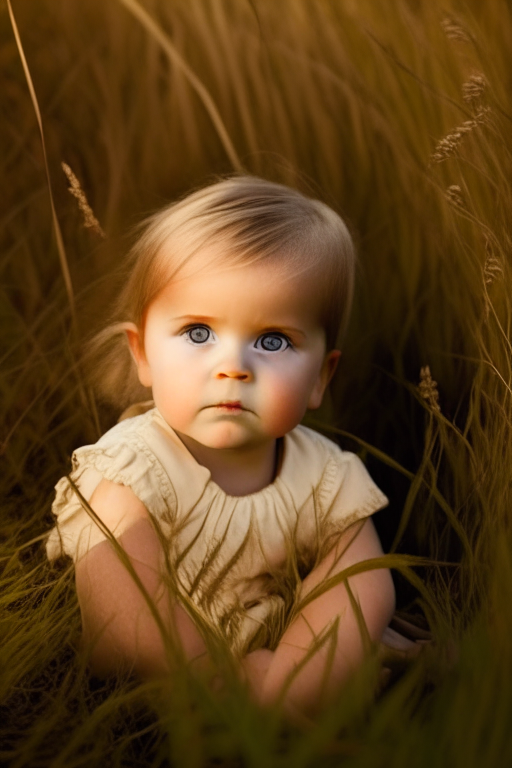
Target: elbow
{"points": [[98, 653], [111, 659], [116, 647]]}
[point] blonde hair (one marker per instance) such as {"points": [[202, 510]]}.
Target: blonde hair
{"points": [[247, 220]]}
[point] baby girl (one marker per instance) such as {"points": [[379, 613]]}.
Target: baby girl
{"points": [[214, 512]]}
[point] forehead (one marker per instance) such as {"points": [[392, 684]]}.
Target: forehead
{"points": [[266, 290]]}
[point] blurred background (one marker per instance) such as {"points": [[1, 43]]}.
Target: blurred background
{"points": [[398, 115]]}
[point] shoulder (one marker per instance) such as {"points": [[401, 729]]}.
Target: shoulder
{"points": [[312, 465], [122, 478], [134, 453], [131, 429], [313, 444], [127, 466], [321, 450], [319, 458], [343, 485]]}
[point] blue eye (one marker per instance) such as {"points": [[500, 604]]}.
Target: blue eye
{"points": [[273, 342], [198, 334]]}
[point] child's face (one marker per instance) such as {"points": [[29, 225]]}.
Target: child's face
{"points": [[234, 356]]}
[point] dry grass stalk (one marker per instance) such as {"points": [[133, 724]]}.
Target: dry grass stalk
{"points": [[473, 89], [454, 31], [58, 234], [90, 220], [428, 389], [448, 146], [454, 196], [492, 267], [157, 33]]}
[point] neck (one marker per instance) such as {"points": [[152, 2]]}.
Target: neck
{"points": [[238, 471]]}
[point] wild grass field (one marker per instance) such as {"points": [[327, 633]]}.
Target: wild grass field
{"points": [[399, 116]]}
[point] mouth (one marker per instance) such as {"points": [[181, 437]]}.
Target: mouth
{"points": [[232, 406]]}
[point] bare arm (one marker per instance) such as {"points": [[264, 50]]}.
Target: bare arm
{"points": [[119, 628], [315, 683]]}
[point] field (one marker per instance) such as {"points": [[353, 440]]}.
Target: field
{"points": [[399, 116]]}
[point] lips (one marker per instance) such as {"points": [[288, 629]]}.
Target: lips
{"points": [[230, 405]]}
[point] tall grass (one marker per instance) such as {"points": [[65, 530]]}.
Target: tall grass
{"points": [[398, 115]]}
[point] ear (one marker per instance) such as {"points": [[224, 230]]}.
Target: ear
{"points": [[329, 365], [136, 344]]}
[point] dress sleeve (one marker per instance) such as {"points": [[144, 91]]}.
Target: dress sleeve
{"points": [[346, 495], [132, 465]]}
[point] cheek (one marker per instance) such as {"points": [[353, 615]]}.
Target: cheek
{"points": [[286, 400], [175, 381]]}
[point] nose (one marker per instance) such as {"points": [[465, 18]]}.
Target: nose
{"points": [[233, 374], [232, 365]]}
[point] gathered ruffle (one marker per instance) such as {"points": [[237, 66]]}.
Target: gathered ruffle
{"points": [[128, 462]]}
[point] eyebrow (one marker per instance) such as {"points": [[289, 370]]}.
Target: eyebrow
{"points": [[266, 329], [194, 318], [283, 329]]}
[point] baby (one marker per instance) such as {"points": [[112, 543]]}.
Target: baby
{"points": [[230, 517]]}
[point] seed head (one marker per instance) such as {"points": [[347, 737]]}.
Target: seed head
{"points": [[454, 196], [448, 146], [454, 31], [89, 219], [428, 389], [492, 266], [473, 89]]}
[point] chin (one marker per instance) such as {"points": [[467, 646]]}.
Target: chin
{"points": [[226, 438]]}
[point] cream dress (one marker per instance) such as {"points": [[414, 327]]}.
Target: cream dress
{"points": [[237, 560]]}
